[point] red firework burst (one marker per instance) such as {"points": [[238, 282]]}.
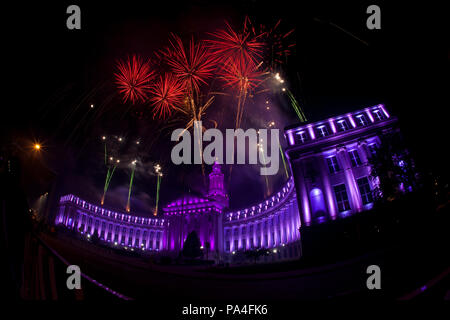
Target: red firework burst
{"points": [[278, 45], [192, 65], [166, 93], [133, 79], [242, 76], [239, 47]]}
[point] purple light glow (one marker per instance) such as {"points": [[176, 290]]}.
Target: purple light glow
{"points": [[349, 116], [311, 132], [369, 114], [291, 138], [333, 127], [384, 110]]}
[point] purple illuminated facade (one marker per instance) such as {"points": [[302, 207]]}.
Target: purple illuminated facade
{"points": [[331, 179], [272, 224], [329, 161], [117, 228]]}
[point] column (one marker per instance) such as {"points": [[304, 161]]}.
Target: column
{"points": [[302, 195], [365, 155], [329, 196], [240, 237], [363, 151], [352, 188]]}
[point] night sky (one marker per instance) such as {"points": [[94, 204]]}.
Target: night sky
{"points": [[56, 73]]}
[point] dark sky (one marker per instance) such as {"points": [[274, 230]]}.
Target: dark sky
{"points": [[56, 73]]}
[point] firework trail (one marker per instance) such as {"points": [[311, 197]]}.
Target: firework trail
{"points": [[294, 103], [167, 93], [133, 79], [261, 150], [158, 184], [296, 106], [284, 161], [244, 78], [133, 168], [111, 164]]}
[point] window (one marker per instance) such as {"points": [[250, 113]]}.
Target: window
{"points": [[227, 246], [130, 237], [333, 165], [273, 238], [136, 241], [342, 125], [378, 114], [244, 244], [322, 131], [373, 148], [258, 244], [364, 189], [354, 158], [341, 197], [252, 245], [361, 120], [302, 136]]}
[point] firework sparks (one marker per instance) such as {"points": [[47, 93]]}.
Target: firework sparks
{"points": [[133, 79], [231, 45], [191, 65], [166, 94], [244, 78], [240, 53], [278, 44]]}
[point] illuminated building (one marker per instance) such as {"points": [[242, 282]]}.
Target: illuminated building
{"points": [[331, 179], [329, 161]]}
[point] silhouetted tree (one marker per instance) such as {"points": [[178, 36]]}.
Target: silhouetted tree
{"points": [[191, 248], [95, 238], [256, 254], [392, 168]]}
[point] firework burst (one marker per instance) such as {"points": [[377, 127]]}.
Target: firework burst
{"points": [[167, 93], [230, 45], [278, 45], [242, 76], [192, 65], [133, 79]]}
